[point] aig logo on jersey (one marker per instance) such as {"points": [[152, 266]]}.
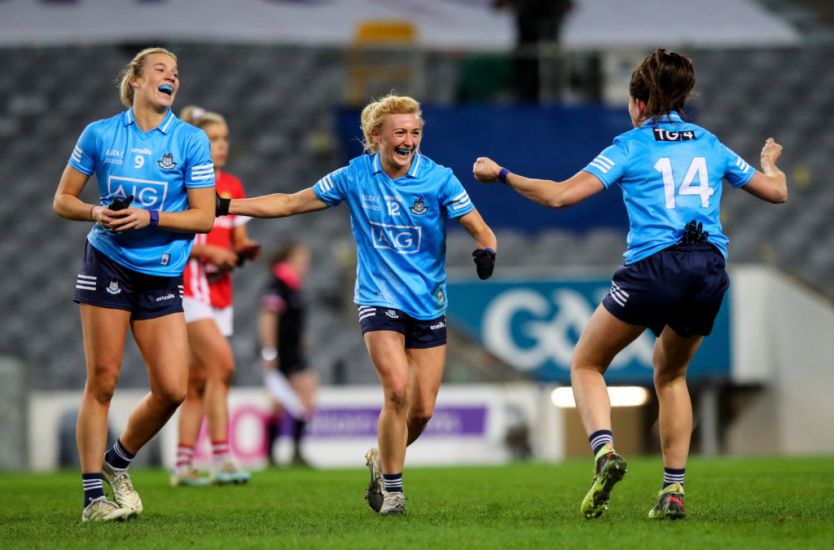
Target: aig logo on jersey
{"points": [[167, 162], [149, 194], [403, 239]]}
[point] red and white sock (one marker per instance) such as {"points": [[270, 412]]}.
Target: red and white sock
{"points": [[219, 452], [185, 454]]}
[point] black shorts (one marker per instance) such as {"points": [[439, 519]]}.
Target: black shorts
{"points": [[104, 283], [681, 286], [290, 363], [418, 334]]}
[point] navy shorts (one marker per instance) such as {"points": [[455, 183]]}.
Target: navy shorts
{"points": [[418, 334], [104, 283], [681, 286]]}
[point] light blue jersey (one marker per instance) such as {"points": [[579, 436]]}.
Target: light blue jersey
{"points": [[400, 230], [670, 172], [157, 168]]}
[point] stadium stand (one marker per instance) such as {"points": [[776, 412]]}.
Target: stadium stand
{"points": [[279, 102]]}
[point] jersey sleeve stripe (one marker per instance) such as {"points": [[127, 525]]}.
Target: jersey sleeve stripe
{"points": [[742, 164], [459, 197], [605, 160], [598, 165], [206, 177], [462, 204], [202, 166], [326, 184]]}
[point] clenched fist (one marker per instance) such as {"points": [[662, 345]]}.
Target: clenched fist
{"points": [[486, 170], [770, 153]]}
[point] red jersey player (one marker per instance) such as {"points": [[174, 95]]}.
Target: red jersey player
{"points": [[207, 304]]}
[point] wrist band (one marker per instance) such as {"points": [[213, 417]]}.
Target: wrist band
{"points": [[268, 353], [92, 209], [154, 218], [502, 175]]}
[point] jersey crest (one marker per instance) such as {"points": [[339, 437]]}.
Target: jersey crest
{"points": [[419, 207], [167, 162]]}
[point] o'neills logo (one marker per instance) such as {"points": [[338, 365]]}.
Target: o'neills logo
{"points": [[441, 324], [164, 298]]}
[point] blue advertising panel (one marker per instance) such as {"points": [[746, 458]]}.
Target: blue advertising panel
{"points": [[553, 142], [534, 324]]}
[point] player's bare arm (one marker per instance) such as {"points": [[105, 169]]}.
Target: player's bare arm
{"points": [[268, 331], [480, 231], [223, 258], [277, 205], [548, 193], [244, 246], [67, 204], [770, 184]]}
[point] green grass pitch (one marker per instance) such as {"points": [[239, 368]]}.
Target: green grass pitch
{"points": [[731, 503]]}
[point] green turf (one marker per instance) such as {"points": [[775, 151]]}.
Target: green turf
{"points": [[732, 503]]}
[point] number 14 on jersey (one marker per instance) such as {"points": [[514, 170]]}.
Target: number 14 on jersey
{"points": [[697, 171]]}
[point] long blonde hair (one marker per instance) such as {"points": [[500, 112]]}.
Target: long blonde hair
{"points": [[134, 68], [373, 115]]}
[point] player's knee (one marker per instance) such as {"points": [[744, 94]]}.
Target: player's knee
{"points": [[171, 396], [577, 367], [102, 384], [665, 375], [397, 398], [227, 372], [419, 417], [102, 391]]}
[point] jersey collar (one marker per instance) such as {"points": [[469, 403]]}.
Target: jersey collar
{"points": [[376, 165], [164, 126], [672, 117]]}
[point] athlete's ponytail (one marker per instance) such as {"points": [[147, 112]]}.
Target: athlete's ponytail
{"points": [[664, 81]]}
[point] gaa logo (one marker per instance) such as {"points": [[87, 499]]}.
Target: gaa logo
{"points": [[403, 239]]}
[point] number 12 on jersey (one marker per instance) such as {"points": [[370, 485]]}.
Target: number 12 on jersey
{"points": [[697, 169]]}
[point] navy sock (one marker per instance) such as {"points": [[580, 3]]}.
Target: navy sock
{"points": [[93, 487], [599, 439], [298, 433], [392, 483], [118, 457], [672, 476], [273, 432]]}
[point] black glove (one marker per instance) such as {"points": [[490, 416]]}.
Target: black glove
{"points": [[221, 205], [484, 259], [120, 204], [694, 233]]}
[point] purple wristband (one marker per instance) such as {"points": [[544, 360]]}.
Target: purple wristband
{"points": [[154, 218], [502, 175]]}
